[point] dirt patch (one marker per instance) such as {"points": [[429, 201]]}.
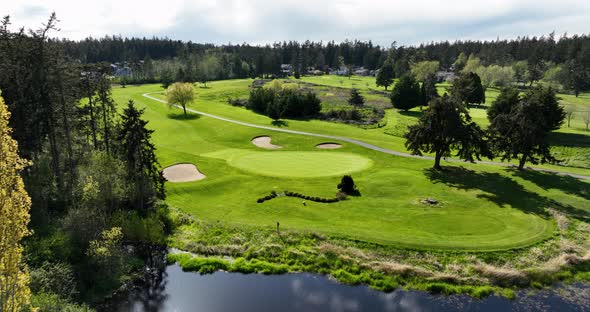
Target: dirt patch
{"points": [[329, 145], [264, 142], [182, 173]]}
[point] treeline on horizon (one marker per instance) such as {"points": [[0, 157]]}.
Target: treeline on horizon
{"points": [[166, 60], [355, 52]]}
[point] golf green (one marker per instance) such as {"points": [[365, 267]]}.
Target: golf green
{"points": [[300, 164]]}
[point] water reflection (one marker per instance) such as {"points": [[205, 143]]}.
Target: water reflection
{"points": [[171, 289]]}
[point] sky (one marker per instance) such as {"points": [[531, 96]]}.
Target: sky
{"points": [[407, 22]]}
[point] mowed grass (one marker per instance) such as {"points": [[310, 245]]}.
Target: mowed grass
{"points": [[480, 207], [213, 100], [300, 164]]}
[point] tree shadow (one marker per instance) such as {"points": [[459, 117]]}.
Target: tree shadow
{"points": [[501, 190], [280, 123], [411, 114], [547, 180], [569, 139], [182, 116]]}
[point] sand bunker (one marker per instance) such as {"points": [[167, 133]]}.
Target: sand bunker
{"points": [[329, 145], [264, 142], [183, 173]]}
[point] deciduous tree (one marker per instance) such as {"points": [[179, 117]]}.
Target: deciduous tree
{"points": [[14, 217], [180, 93]]}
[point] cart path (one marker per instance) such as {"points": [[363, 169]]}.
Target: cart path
{"points": [[356, 142]]}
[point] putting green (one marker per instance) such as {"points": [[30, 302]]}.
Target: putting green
{"points": [[300, 164]]}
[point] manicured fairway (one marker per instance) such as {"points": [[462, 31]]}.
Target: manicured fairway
{"points": [[480, 207], [301, 164]]}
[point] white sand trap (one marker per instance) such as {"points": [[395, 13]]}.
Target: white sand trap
{"points": [[183, 173], [264, 142], [329, 145]]}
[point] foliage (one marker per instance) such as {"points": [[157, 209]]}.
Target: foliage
{"points": [[472, 64], [57, 278], [180, 94], [49, 302], [385, 75], [278, 101], [136, 148], [428, 90], [356, 99], [468, 89], [14, 217], [347, 185], [519, 126], [422, 70], [495, 75], [445, 127], [406, 93]]}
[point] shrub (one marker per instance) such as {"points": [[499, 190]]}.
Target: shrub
{"points": [[347, 185], [356, 99]]}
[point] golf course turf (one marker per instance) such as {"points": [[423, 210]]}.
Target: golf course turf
{"points": [[481, 207]]}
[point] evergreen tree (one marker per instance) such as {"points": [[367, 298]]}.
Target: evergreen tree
{"points": [[446, 126], [406, 93], [385, 75], [428, 90], [143, 169], [519, 127], [356, 99], [14, 217], [468, 88]]}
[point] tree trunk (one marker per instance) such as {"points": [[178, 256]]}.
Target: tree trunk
{"points": [[184, 109], [437, 158], [522, 162]]}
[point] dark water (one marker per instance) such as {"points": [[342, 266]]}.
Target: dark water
{"points": [[175, 290]]}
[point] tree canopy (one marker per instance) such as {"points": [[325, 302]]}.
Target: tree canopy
{"points": [[445, 127], [519, 125], [468, 88], [180, 93], [406, 93], [385, 75], [14, 217]]}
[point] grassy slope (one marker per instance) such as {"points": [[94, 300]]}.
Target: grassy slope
{"points": [[214, 100], [486, 209]]}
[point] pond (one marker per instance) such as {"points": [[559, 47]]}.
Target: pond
{"points": [[171, 289]]}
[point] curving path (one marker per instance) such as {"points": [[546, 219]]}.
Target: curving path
{"points": [[354, 141]]}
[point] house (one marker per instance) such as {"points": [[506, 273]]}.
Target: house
{"points": [[445, 76], [361, 71], [342, 71], [286, 69]]}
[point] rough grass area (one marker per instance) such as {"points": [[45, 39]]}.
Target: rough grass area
{"points": [[493, 228], [217, 246]]}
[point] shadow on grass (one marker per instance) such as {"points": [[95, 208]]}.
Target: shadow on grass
{"points": [[182, 116], [569, 139], [411, 114], [280, 123], [546, 180], [503, 190]]}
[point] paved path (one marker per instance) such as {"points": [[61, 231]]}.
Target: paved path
{"points": [[356, 142]]}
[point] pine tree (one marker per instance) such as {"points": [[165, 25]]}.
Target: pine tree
{"points": [[356, 99], [519, 126], [444, 127], [14, 217], [385, 75], [136, 148]]}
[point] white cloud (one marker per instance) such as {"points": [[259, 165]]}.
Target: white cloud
{"points": [[266, 21]]}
